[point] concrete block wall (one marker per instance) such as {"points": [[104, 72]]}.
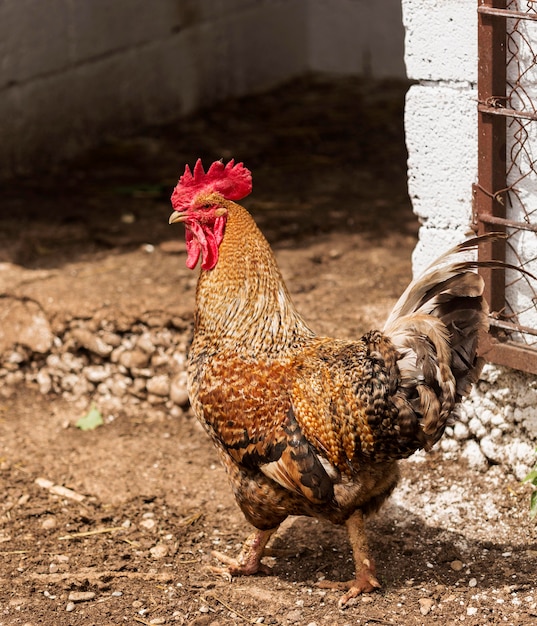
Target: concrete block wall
{"points": [[497, 423], [73, 72], [441, 120], [356, 37]]}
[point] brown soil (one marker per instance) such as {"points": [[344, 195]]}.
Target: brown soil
{"points": [[148, 501]]}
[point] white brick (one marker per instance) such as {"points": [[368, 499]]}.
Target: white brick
{"points": [[441, 42], [432, 242], [441, 136]]}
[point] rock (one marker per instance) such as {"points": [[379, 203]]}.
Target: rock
{"points": [[156, 319], [178, 389], [24, 322], [96, 373], [530, 423], [449, 445], [474, 455], [164, 338], [68, 382], [44, 381], [49, 523], [134, 359], [158, 360], [138, 388], [148, 524], [16, 357], [153, 399], [145, 343], [159, 551], [158, 385], [110, 338], [91, 341], [81, 596], [477, 428], [456, 565], [460, 431], [492, 450], [294, 616], [118, 384], [426, 604], [14, 378]]}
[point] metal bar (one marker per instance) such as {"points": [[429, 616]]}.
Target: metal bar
{"points": [[490, 193], [491, 42], [500, 221], [517, 328], [517, 356], [491, 110], [488, 10]]}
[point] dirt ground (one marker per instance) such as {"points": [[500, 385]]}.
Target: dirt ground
{"points": [[116, 526]]}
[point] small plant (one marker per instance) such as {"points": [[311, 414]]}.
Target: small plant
{"points": [[92, 420], [532, 479]]}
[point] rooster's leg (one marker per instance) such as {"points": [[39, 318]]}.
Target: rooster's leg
{"points": [[365, 580], [249, 559]]}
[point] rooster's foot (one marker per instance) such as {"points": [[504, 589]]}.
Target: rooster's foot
{"points": [[365, 582], [249, 560], [236, 567]]}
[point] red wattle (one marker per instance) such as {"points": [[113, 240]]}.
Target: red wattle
{"points": [[193, 249], [204, 241]]}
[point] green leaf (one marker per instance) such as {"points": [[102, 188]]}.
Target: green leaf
{"points": [[92, 420], [531, 477], [533, 504]]}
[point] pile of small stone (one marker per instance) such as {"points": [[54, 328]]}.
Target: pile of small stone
{"points": [[497, 423], [116, 362], [143, 364]]}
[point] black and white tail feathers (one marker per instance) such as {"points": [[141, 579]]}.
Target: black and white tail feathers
{"points": [[435, 327]]}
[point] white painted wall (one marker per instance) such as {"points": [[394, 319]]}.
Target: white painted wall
{"points": [[440, 120], [497, 422], [75, 71]]}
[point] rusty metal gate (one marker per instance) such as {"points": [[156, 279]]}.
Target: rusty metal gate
{"points": [[505, 196]]}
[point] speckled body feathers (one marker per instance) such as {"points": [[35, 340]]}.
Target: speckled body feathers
{"points": [[312, 425]]}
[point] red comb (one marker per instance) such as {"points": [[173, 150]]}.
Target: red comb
{"points": [[232, 181]]}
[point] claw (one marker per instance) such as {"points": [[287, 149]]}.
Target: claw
{"points": [[365, 582], [236, 567], [249, 560]]}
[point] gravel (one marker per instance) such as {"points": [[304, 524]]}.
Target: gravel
{"points": [[112, 367], [144, 365]]}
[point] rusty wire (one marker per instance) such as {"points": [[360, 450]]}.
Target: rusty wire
{"points": [[520, 313]]}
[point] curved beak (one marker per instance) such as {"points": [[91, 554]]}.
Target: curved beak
{"points": [[176, 216]]}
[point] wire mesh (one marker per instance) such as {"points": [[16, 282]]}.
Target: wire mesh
{"points": [[520, 312]]}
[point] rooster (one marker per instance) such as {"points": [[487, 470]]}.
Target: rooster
{"points": [[304, 424]]}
